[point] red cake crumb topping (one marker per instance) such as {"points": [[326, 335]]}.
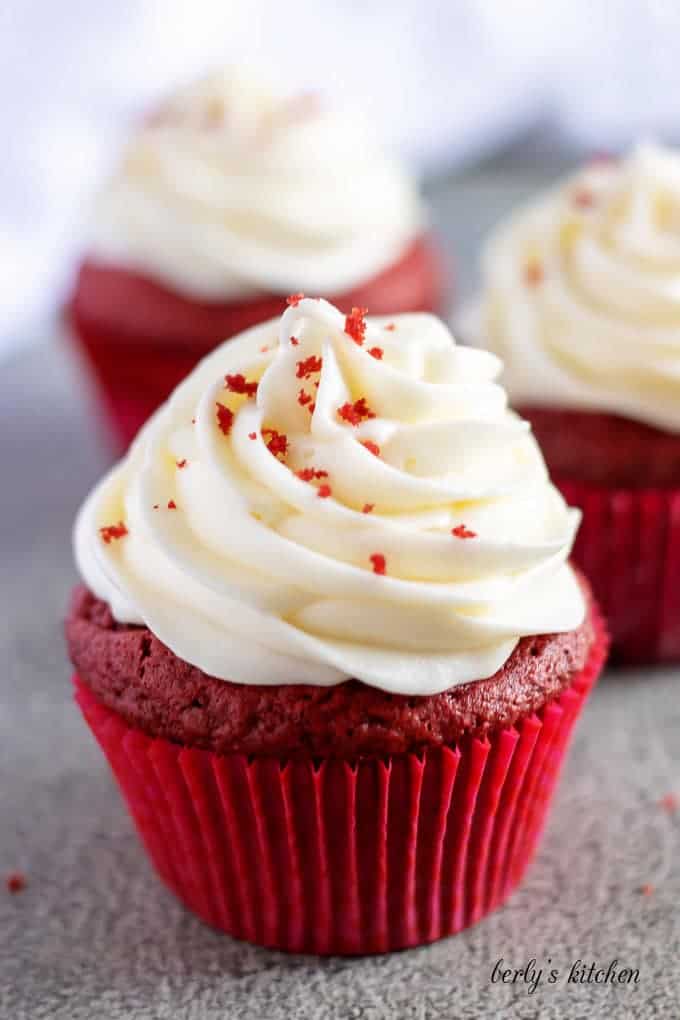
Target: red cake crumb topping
{"points": [[294, 300], [252, 435], [355, 413], [15, 882], [181, 463], [355, 325], [371, 447], [304, 398], [460, 531], [376, 352], [391, 326], [278, 444], [368, 508], [239, 384], [308, 474], [172, 505], [533, 273], [294, 340], [324, 491], [111, 531], [225, 418], [308, 366], [379, 564]]}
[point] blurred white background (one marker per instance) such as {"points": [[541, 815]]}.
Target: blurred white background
{"points": [[444, 82]]}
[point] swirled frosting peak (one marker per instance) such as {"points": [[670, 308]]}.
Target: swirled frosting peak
{"points": [[231, 190], [582, 291], [328, 497]]}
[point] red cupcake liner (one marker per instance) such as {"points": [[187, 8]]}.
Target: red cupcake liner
{"points": [[628, 546], [338, 856]]}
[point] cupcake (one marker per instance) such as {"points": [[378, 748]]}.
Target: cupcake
{"points": [[329, 639], [226, 200], [582, 302]]}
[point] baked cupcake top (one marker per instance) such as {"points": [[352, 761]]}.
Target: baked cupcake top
{"points": [[231, 190], [582, 292], [328, 497]]}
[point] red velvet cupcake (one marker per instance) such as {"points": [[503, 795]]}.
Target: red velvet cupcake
{"points": [[330, 642], [581, 302], [226, 201]]}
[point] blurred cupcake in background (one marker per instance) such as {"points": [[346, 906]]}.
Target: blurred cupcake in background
{"points": [[581, 299], [228, 199]]}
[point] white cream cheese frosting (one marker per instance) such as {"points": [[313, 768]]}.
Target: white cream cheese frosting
{"points": [[232, 190], [581, 294], [316, 502]]}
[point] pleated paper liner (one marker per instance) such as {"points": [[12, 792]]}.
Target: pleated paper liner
{"points": [[628, 546], [337, 856]]}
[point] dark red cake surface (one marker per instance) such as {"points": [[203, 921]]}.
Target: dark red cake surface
{"points": [[132, 672], [603, 449]]}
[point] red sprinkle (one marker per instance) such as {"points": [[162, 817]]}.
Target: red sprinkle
{"points": [[379, 564], [355, 325], [356, 412], [391, 326], [460, 531], [323, 491], [583, 198], [308, 366], [533, 273], [225, 418], [647, 889], [368, 508], [670, 802], [252, 435], [308, 474], [239, 384], [15, 882], [304, 398], [181, 463], [371, 447], [376, 352], [278, 444], [294, 300], [172, 505], [110, 531], [294, 340]]}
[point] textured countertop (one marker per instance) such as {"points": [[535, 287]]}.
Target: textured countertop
{"points": [[94, 935]]}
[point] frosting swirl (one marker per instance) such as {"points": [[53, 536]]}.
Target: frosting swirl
{"points": [[326, 498], [230, 191], [582, 292]]}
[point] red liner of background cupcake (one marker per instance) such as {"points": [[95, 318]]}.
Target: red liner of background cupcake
{"points": [[347, 856], [628, 546]]}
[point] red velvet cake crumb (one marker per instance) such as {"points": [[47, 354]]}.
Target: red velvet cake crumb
{"points": [[15, 882], [113, 531], [225, 418], [460, 531], [355, 324]]}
